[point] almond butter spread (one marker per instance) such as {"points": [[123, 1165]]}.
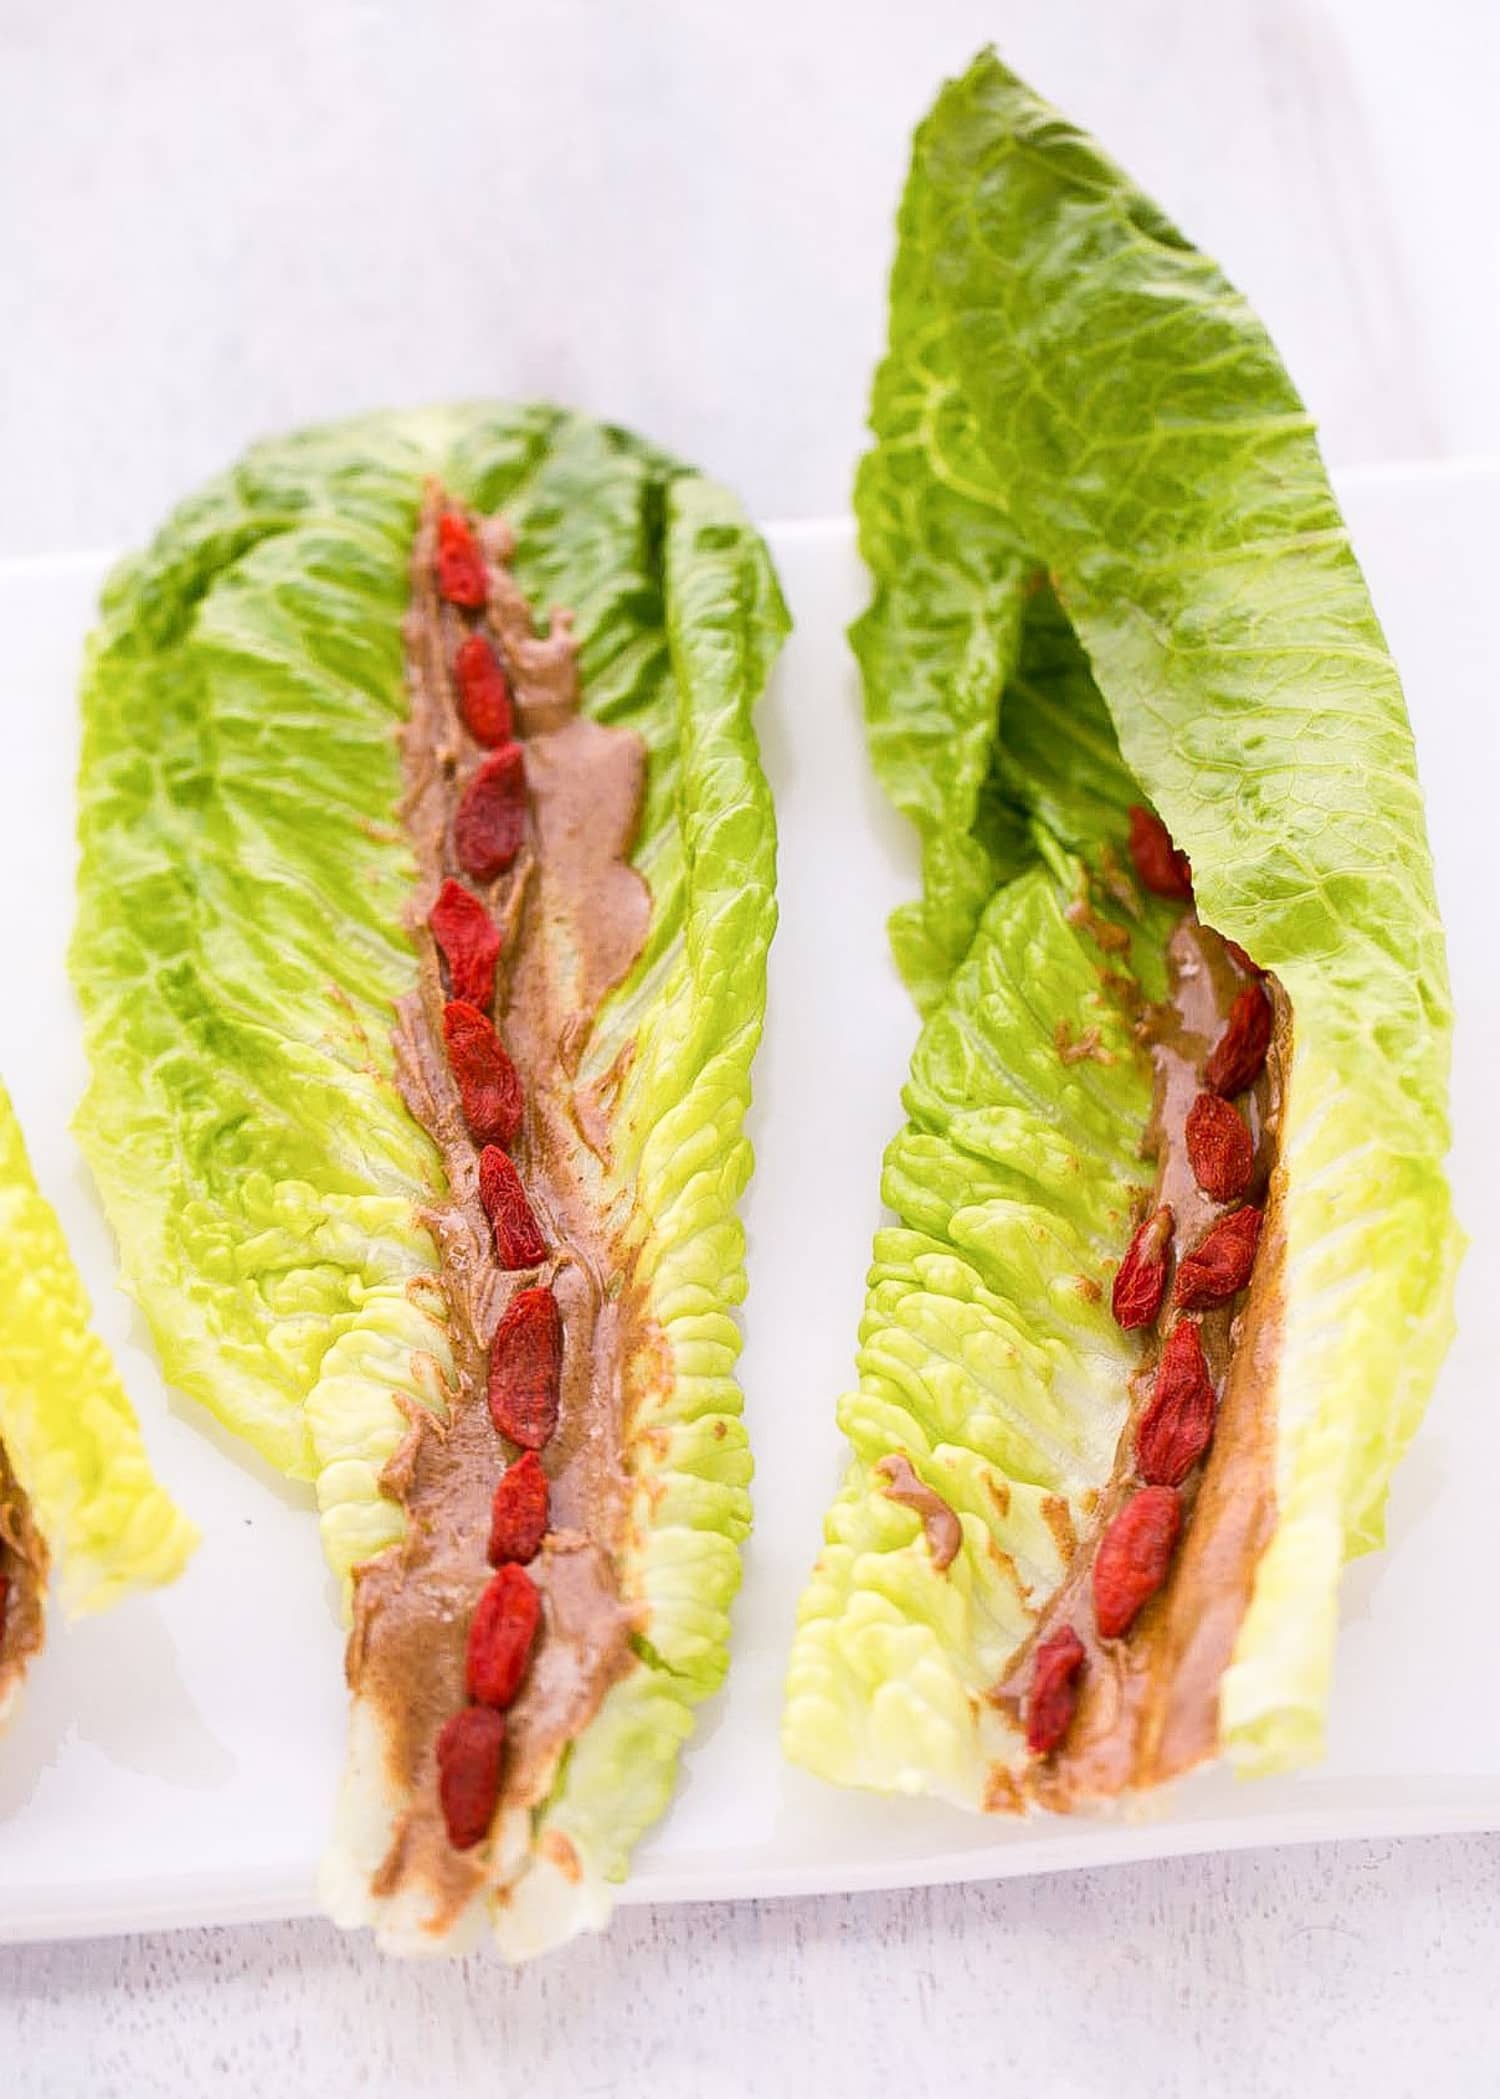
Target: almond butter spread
{"points": [[1147, 1703], [940, 1526], [573, 916], [23, 1582]]}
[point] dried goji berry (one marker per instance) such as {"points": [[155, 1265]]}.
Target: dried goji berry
{"points": [[1142, 1275], [1178, 1425], [470, 943], [1054, 1690], [526, 1368], [487, 1081], [1237, 1058], [1220, 1264], [1220, 1148], [519, 1513], [1164, 870], [469, 1752], [1133, 1557], [518, 1236], [490, 821], [483, 692], [460, 565], [501, 1634]]}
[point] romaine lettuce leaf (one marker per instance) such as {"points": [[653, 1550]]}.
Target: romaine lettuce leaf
{"points": [[65, 1421], [240, 949], [1072, 392]]}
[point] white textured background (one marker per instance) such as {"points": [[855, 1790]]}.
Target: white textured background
{"points": [[1367, 1969], [218, 220]]}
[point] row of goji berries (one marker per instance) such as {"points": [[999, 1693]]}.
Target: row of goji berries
{"points": [[1135, 1550], [525, 1364]]}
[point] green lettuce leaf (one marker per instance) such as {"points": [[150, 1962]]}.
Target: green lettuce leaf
{"points": [[1072, 392], [240, 948], [65, 1422]]}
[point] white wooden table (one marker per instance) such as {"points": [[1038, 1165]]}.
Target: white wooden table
{"points": [[223, 220]]}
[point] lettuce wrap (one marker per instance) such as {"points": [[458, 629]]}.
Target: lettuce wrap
{"points": [[75, 1482], [1172, 1260], [421, 943]]}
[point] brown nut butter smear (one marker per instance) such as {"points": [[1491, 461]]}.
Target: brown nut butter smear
{"points": [[940, 1526], [573, 916], [1147, 1701], [24, 1562]]}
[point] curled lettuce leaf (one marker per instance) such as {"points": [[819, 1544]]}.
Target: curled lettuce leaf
{"points": [[1073, 393], [65, 1421], [239, 951]]}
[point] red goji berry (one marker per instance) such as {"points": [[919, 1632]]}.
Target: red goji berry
{"points": [[520, 1512], [501, 1634], [526, 1369], [1164, 870], [488, 1085], [1220, 1148], [1178, 1425], [461, 574], [1237, 1058], [483, 692], [518, 1236], [470, 943], [469, 1752], [1219, 1265], [489, 824], [1133, 1557], [1141, 1278], [1054, 1690]]}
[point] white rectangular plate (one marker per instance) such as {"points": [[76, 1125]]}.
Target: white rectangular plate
{"points": [[175, 1761]]}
